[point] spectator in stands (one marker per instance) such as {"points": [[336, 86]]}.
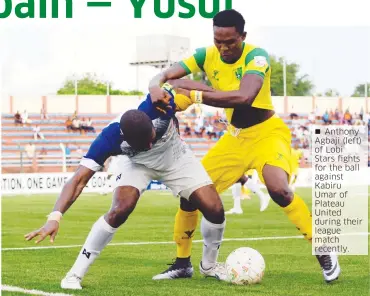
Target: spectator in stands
{"points": [[198, 131], [187, 131], [337, 114], [30, 150], [25, 119], [17, 118], [83, 124], [67, 150], [357, 119], [347, 117], [326, 117], [37, 133], [86, 125], [76, 125], [43, 114], [68, 124], [199, 126], [210, 131]]}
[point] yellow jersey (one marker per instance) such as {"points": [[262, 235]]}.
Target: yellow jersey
{"points": [[227, 77]]}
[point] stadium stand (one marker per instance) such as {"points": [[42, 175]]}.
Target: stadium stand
{"points": [[48, 153]]}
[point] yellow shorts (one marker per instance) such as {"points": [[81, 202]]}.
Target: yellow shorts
{"points": [[265, 143]]}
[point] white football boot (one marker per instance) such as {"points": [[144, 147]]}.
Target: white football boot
{"points": [[234, 211], [218, 271], [330, 266], [176, 271], [71, 282]]}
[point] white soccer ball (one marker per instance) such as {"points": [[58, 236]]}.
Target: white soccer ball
{"points": [[245, 266]]}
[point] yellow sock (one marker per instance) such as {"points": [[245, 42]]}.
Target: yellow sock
{"points": [[299, 214], [185, 225]]}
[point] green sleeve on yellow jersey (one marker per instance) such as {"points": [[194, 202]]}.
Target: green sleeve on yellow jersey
{"points": [[195, 63], [257, 62]]}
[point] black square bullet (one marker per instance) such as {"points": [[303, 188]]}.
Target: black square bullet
{"points": [[317, 131]]}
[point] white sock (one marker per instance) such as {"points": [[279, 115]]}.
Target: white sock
{"points": [[100, 235], [237, 192], [252, 185], [255, 188], [212, 237]]}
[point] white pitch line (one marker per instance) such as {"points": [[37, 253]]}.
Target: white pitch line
{"points": [[171, 242], [31, 292], [154, 243]]}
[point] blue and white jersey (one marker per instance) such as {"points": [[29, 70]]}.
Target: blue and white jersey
{"points": [[110, 143]]}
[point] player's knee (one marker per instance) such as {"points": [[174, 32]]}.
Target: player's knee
{"points": [[123, 205], [119, 214], [215, 213], [282, 195], [186, 205]]}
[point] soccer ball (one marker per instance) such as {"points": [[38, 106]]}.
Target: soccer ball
{"points": [[245, 266]]}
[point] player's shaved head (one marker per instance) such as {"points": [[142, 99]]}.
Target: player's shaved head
{"points": [[229, 18], [228, 33], [137, 129]]}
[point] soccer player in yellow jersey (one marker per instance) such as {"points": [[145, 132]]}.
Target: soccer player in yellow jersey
{"points": [[296, 155], [256, 138]]}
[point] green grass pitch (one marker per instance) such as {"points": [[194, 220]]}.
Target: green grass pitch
{"points": [[128, 269]]}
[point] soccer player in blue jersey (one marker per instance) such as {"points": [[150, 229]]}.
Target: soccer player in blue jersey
{"points": [[153, 150]]}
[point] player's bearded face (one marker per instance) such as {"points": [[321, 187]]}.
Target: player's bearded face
{"points": [[229, 43]]}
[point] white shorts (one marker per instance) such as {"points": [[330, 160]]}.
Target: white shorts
{"points": [[113, 165], [183, 176]]}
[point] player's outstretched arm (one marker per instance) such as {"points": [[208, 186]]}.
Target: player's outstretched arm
{"points": [[105, 145], [70, 192], [73, 188]]}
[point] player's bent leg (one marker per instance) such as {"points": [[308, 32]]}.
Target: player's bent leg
{"points": [[209, 203], [186, 221], [276, 180], [124, 201]]}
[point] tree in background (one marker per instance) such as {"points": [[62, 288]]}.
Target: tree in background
{"points": [[89, 84], [331, 93], [295, 85], [360, 90]]}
